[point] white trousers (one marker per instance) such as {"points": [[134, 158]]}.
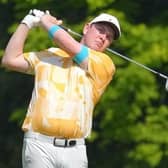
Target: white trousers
{"points": [[40, 154]]}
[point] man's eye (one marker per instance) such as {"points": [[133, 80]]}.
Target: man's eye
{"points": [[101, 30]]}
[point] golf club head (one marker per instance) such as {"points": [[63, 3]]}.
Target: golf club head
{"points": [[166, 86]]}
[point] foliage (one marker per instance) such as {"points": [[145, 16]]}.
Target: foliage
{"points": [[130, 122]]}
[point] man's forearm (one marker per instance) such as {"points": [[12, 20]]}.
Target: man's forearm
{"points": [[61, 37], [13, 58], [16, 44]]}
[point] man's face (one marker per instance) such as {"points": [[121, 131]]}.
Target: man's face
{"points": [[98, 36]]}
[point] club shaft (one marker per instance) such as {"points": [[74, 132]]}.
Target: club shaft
{"points": [[137, 63]]}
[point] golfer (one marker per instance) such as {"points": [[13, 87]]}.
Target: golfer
{"points": [[69, 82]]}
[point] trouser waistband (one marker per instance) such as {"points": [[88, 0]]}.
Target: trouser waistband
{"points": [[54, 140]]}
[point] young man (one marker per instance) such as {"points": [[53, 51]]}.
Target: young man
{"points": [[69, 81]]}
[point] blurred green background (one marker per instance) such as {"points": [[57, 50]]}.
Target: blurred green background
{"points": [[130, 128]]}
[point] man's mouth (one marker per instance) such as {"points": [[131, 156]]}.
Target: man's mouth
{"points": [[99, 44]]}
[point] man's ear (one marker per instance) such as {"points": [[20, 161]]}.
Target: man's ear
{"points": [[86, 27]]}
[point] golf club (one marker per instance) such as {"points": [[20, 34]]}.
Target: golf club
{"points": [[125, 57], [166, 86]]}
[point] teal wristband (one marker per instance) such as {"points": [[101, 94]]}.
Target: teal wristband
{"points": [[83, 54], [52, 30]]}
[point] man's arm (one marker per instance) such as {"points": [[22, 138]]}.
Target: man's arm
{"points": [[13, 58], [65, 41], [61, 37]]}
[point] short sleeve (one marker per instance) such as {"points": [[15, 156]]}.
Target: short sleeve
{"points": [[32, 59], [101, 70]]}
